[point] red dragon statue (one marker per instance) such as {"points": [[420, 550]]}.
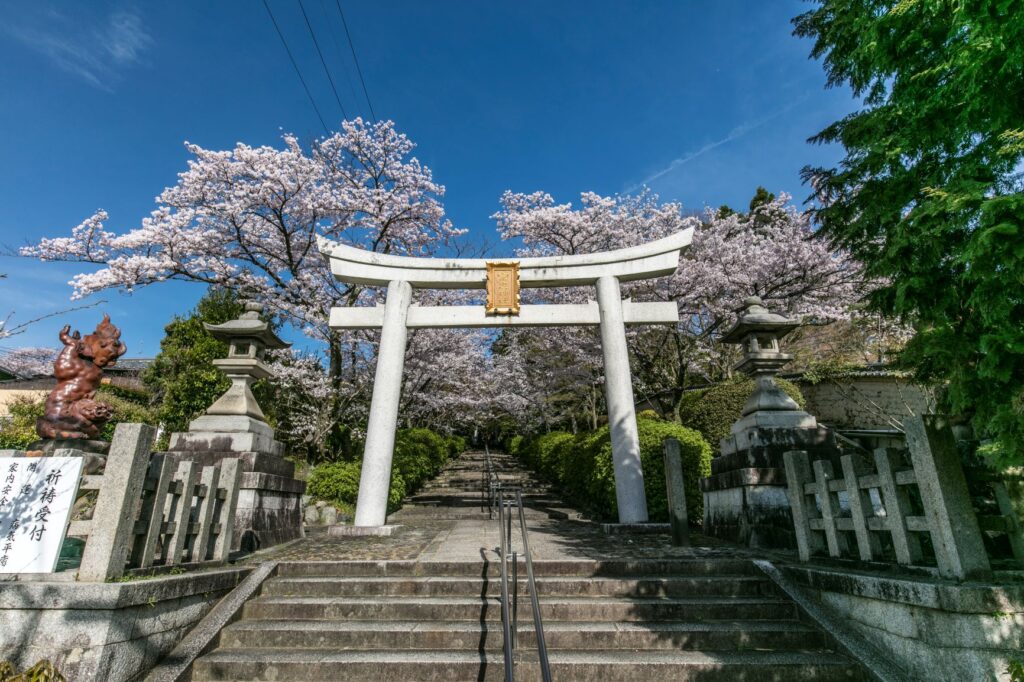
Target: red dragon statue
{"points": [[71, 408]]}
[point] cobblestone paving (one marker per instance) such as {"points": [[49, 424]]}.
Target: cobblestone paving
{"points": [[408, 542]]}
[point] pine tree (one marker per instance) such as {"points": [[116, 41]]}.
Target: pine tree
{"points": [[182, 378]]}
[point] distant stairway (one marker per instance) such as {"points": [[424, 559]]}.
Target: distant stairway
{"points": [[458, 491]]}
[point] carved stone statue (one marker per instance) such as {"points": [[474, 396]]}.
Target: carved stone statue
{"points": [[71, 409]]}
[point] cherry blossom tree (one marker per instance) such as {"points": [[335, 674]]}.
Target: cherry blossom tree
{"points": [[28, 361], [770, 251], [247, 219]]}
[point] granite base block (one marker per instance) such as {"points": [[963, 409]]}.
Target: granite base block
{"points": [[105, 632]]}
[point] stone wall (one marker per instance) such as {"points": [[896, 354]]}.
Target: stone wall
{"points": [[109, 632], [9, 395], [862, 401], [934, 630]]}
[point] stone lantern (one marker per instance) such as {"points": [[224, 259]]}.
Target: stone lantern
{"points": [[745, 497], [269, 500], [758, 331], [247, 338]]}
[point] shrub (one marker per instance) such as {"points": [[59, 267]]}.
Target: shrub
{"points": [[419, 454], [581, 466], [336, 482], [19, 430], [648, 414], [514, 444], [712, 411]]}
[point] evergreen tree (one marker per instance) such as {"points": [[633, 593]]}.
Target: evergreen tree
{"points": [[182, 378], [930, 195]]}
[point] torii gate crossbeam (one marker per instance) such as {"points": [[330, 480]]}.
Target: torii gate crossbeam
{"points": [[400, 274]]}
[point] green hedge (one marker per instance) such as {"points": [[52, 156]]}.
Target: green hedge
{"points": [[419, 455], [581, 466], [712, 411]]}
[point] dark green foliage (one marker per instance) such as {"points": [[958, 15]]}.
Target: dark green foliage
{"points": [[42, 671], [419, 455], [336, 482], [20, 430], [182, 378], [1015, 669], [930, 196], [712, 411], [581, 466]]}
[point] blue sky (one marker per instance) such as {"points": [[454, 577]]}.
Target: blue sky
{"points": [[702, 101]]}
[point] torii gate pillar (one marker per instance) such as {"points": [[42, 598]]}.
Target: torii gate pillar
{"points": [[375, 478], [618, 392]]}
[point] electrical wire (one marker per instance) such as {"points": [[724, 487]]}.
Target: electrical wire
{"points": [[327, 71], [295, 65], [359, 69]]}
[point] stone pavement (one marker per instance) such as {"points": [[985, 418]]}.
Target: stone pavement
{"points": [[448, 521]]}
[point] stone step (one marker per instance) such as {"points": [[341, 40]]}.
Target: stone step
{"points": [[542, 568], [579, 666], [552, 608], [395, 635], [648, 586]]}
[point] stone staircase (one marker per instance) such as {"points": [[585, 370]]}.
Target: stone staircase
{"points": [[456, 493], [644, 619]]}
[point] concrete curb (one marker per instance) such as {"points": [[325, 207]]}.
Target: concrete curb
{"points": [[177, 665], [856, 647]]}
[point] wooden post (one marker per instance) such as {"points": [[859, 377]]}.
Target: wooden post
{"points": [[113, 522], [674, 482]]}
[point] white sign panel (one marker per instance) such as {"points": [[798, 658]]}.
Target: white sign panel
{"points": [[36, 496]]}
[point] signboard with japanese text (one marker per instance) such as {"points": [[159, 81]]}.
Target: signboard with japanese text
{"points": [[36, 496]]}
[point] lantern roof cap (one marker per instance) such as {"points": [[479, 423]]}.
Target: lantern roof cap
{"points": [[755, 318], [247, 326]]}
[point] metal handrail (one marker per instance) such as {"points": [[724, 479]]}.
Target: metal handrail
{"points": [[510, 611], [506, 624], [538, 623]]}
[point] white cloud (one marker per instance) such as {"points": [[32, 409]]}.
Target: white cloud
{"points": [[95, 51]]}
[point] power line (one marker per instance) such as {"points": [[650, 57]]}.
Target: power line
{"points": [[322, 61], [332, 31], [296, 67], [359, 70]]}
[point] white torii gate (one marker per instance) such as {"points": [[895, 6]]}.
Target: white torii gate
{"points": [[401, 273]]}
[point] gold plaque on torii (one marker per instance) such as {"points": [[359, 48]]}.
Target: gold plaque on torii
{"points": [[503, 288]]}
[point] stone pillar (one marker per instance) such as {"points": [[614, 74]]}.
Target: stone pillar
{"points": [[618, 391], [375, 479]]}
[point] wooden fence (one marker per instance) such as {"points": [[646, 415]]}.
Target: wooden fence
{"points": [[847, 514], [150, 512]]}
